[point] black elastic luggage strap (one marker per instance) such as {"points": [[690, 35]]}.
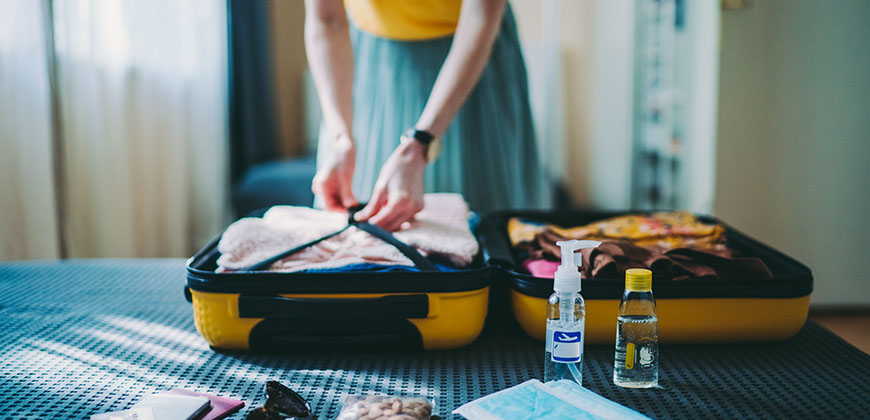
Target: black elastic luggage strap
{"points": [[272, 260], [420, 261]]}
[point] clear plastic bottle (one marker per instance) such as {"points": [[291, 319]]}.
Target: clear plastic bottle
{"points": [[566, 317], [636, 361], [569, 329]]}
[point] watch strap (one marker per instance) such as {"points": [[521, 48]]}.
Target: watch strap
{"points": [[422, 136]]}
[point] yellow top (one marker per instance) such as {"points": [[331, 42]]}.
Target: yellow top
{"points": [[406, 20], [638, 279]]}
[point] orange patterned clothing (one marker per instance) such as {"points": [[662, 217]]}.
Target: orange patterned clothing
{"points": [[667, 230]]}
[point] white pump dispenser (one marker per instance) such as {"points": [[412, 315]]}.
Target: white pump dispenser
{"points": [[566, 317], [567, 278]]}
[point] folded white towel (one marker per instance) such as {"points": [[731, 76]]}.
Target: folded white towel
{"points": [[441, 228]]}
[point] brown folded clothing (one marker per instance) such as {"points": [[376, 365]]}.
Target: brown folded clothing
{"points": [[612, 258]]}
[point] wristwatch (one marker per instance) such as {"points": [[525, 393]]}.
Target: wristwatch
{"points": [[430, 142]]}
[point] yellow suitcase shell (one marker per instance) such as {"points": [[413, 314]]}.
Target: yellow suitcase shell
{"points": [[453, 319], [697, 320]]}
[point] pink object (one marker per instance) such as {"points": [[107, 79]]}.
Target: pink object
{"points": [[221, 407], [541, 268]]}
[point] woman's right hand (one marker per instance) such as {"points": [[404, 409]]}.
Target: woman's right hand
{"points": [[333, 181]]}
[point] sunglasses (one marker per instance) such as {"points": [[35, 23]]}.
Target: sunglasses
{"points": [[281, 403]]}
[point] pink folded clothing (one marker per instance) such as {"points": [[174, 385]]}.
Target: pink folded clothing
{"points": [[441, 229], [541, 268]]}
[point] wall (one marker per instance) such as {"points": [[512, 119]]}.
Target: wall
{"points": [[793, 144], [288, 66], [595, 46], [554, 48]]}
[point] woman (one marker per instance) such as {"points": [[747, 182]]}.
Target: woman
{"points": [[425, 69]]}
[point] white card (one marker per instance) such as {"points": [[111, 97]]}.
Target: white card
{"points": [[141, 413], [174, 407]]}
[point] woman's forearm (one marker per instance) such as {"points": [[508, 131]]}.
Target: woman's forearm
{"points": [[330, 58], [479, 23]]}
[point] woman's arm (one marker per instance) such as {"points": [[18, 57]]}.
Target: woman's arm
{"points": [[479, 23], [330, 57], [398, 193]]}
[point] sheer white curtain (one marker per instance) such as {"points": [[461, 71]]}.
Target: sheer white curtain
{"points": [[142, 88], [28, 223]]}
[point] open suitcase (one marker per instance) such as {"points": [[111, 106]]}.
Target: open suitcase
{"points": [[440, 310], [386, 311], [697, 310]]}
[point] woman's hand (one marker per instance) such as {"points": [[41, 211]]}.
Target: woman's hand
{"points": [[398, 193], [333, 182]]}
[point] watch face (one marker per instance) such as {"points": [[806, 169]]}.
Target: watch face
{"points": [[433, 150]]}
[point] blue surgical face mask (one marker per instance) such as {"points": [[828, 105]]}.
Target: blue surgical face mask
{"points": [[533, 400]]}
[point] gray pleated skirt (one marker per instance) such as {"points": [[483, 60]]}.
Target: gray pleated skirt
{"points": [[489, 151]]}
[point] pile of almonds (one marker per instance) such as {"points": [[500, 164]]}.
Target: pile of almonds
{"points": [[379, 407]]}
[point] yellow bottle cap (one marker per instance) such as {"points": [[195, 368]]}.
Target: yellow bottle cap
{"points": [[638, 279]]}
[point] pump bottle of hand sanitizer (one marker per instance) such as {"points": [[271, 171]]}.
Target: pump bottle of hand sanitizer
{"points": [[566, 317]]}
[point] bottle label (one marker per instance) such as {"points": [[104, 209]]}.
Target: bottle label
{"points": [[566, 346], [646, 354], [641, 355]]}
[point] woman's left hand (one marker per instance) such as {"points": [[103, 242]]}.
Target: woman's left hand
{"points": [[398, 192]]}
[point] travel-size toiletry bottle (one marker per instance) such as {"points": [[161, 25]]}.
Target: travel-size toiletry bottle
{"points": [[636, 362], [566, 317]]}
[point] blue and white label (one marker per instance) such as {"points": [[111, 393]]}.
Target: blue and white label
{"points": [[566, 346]]}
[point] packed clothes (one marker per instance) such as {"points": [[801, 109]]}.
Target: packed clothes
{"points": [[440, 232], [676, 229], [674, 245]]}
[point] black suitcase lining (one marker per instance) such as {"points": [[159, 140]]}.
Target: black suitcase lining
{"points": [[791, 279]]}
